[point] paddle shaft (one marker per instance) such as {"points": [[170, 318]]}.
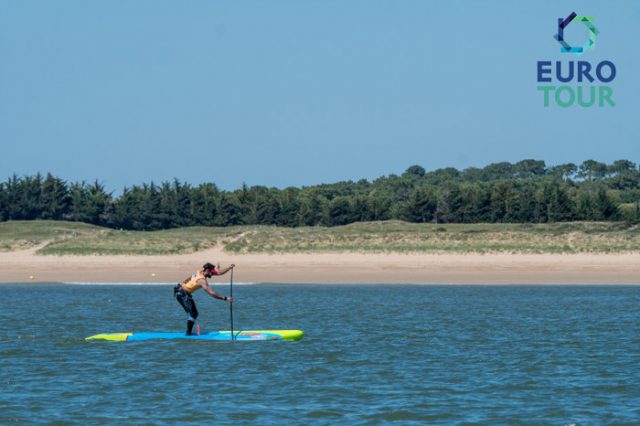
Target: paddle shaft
{"points": [[231, 304]]}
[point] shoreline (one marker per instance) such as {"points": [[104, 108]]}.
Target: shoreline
{"points": [[25, 266], [223, 284]]}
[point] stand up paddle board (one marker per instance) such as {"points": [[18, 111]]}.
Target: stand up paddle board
{"points": [[248, 335]]}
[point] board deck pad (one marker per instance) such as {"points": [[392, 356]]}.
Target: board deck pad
{"points": [[225, 335]]}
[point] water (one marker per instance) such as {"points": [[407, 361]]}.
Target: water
{"points": [[370, 355]]}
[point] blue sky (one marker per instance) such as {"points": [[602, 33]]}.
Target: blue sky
{"points": [[291, 93]]}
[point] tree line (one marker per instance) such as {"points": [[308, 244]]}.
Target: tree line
{"points": [[526, 192]]}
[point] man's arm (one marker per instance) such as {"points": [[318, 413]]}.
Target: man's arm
{"points": [[224, 271], [205, 286]]}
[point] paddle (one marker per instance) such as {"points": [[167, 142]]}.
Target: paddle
{"points": [[231, 304]]}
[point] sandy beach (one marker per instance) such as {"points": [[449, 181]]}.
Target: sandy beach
{"points": [[27, 266]]}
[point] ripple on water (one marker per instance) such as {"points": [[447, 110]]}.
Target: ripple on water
{"points": [[371, 355]]}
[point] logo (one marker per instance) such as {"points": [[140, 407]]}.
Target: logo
{"points": [[583, 83], [588, 22]]}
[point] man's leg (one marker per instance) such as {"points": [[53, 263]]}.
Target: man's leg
{"points": [[193, 314], [187, 303]]}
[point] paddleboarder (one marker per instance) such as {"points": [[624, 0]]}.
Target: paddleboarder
{"points": [[183, 291]]}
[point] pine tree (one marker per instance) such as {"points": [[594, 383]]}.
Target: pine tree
{"points": [[54, 198]]}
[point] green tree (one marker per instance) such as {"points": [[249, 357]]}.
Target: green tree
{"points": [[289, 207], [30, 190], [379, 204], [450, 203], [605, 207], [414, 171], [13, 198], [592, 170], [54, 198], [360, 208], [624, 175], [529, 168], [553, 203], [504, 202], [230, 210], [204, 202], [89, 204], [421, 206], [339, 212], [564, 171], [526, 203], [496, 171]]}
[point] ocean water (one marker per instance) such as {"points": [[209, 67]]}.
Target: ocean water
{"points": [[371, 355]]}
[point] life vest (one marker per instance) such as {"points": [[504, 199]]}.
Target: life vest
{"points": [[190, 284]]}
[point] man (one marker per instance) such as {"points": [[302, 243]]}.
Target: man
{"points": [[183, 291]]}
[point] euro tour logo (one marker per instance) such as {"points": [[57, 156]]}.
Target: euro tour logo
{"points": [[588, 82]]}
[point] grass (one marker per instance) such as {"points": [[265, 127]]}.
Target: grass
{"points": [[82, 239], [369, 237], [16, 235], [173, 241], [396, 236]]}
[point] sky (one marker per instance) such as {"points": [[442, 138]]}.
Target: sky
{"points": [[294, 93]]}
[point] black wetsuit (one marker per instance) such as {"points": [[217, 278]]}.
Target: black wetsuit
{"points": [[188, 304]]}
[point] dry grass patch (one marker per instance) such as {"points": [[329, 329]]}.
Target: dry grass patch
{"points": [[369, 237]]}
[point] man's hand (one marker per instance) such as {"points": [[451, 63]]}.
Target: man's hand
{"points": [[230, 299]]}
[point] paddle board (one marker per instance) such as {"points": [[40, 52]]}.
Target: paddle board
{"points": [[248, 335]]}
